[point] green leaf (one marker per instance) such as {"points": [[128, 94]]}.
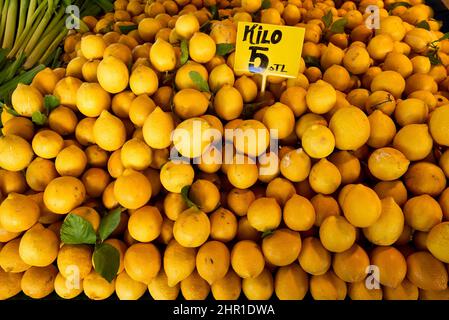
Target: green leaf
{"points": [[327, 19], [185, 196], [267, 233], [205, 28], [225, 48], [434, 58], [12, 112], [50, 103], [199, 81], [214, 12], [107, 261], [266, 4], [398, 4], [77, 230], [109, 223], [339, 25], [423, 25], [39, 118], [127, 29], [444, 37], [184, 52], [312, 61]]}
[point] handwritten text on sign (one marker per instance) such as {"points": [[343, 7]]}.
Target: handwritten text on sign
{"points": [[268, 49]]}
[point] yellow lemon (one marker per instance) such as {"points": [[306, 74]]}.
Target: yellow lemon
{"points": [[132, 189], [350, 127], [109, 132], [92, 99], [145, 224], [112, 74], [388, 164], [63, 194], [39, 246], [192, 228], [247, 259], [174, 176], [264, 214], [136, 261], [212, 261], [321, 97], [27, 100], [162, 56], [282, 247], [201, 47], [361, 206], [15, 153]]}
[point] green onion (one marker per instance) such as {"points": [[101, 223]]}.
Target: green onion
{"points": [[10, 29]]}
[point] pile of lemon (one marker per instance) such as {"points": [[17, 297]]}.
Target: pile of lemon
{"points": [[353, 203]]}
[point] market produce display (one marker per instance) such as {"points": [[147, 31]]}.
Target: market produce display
{"points": [[139, 163]]}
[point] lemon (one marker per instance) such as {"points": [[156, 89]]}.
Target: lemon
{"points": [[66, 289], [190, 103], [175, 176], [227, 288], [65, 90], [92, 99], [379, 46], [186, 25], [18, 213], [324, 177], [162, 56], [38, 282], [136, 154], [45, 81], [95, 181], [92, 47], [223, 225], [140, 108], [248, 89], [404, 291], [15, 153], [239, 200], [422, 213], [109, 132], [47, 144], [247, 259], [220, 76], [96, 287], [192, 228], [321, 97], [182, 77], [71, 161], [437, 241], [27, 100], [426, 272], [192, 137], [147, 28], [251, 137], [62, 120], [228, 103], [388, 227], [331, 55], [260, 287], [19, 126], [383, 129], [205, 195], [337, 234], [361, 206], [10, 284], [10, 260], [425, 177], [143, 80], [291, 283], [280, 189], [438, 125], [112, 74], [359, 291], [159, 289], [327, 287], [212, 261], [264, 214], [242, 173], [128, 289], [356, 60], [39, 246], [282, 247], [179, 262], [411, 111], [280, 120], [350, 265], [70, 256], [388, 164], [135, 265], [318, 141], [145, 224], [194, 287], [338, 77], [202, 47], [39, 174], [132, 189], [350, 127], [295, 165], [390, 81]]}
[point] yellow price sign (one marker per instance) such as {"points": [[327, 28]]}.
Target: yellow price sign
{"points": [[268, 49]]}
